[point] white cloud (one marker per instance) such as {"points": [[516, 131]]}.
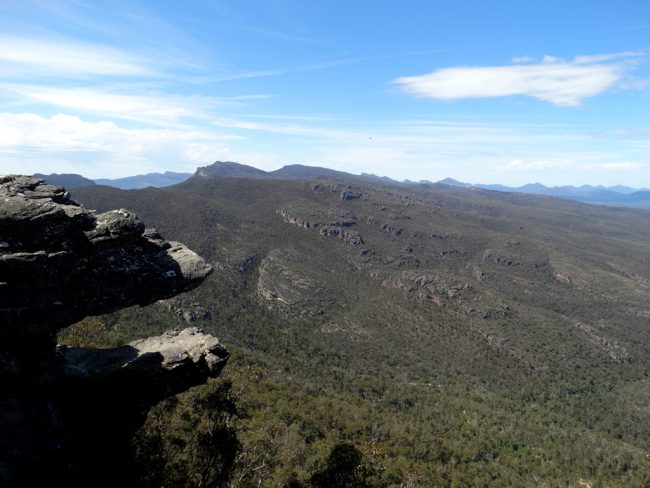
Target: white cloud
{"points": [[563, 83], [415, 149], [151, 108], [275, 128], [619, 166], [26, 56], [31, 143], [601, 58]]}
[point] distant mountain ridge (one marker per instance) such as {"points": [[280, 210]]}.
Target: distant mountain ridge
{"points": [[618, 195], [229, 169], [68, 180], [157, 180], [615, 195]]}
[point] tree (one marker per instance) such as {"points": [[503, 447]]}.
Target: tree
{"points": [[190, 440], [343, 469]]}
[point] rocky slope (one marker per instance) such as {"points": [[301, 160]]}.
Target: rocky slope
{"points": [[68, 413], [229, 169], [413, 302], [488, 284]]}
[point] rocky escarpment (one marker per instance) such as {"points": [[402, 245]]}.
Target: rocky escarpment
{"points": [[284, 287], [332, 225], [59, 262], [69, 413]]}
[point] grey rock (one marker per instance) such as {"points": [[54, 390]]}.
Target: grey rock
{"points": [[61, 262], [188, 349], [69, 413], [351, 236], [350, 195]]}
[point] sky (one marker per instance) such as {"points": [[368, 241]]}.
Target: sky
{"points": [[508, 92]]}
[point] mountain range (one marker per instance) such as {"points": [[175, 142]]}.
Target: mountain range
{"points": [[457, 336], [618, 195], [157, 180], [613, 195]]}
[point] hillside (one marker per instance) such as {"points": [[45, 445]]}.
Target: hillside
{"points": [[229, 169], [618, 196], [156, 180], [68, 180], [467, 334]]}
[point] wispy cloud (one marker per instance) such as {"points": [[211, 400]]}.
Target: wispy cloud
{"points": [[153, 108], [135, 107], [101, 148], [320, 65], [626, 165], [278, 35], [413, 133], [414, 149], [24, 56], [273, 72], [276, 128], [602, 58], [563, 83], [292, 117]]}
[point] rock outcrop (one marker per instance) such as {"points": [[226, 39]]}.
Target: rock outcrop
{"points": [[286, 288], [334, 224], [59, 262], [189, 350], [68, 414]]}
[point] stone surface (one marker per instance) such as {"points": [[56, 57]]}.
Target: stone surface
{"points": [[68, 414], [188, 349], [60, 262], [335, 224]]}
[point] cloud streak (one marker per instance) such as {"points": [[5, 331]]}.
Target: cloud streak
{"points": [[65, 142], [432, 150], [153, 108], [563, 83], [22, 56]]}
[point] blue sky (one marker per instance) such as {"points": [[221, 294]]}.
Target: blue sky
{"points": [[482, 91]]}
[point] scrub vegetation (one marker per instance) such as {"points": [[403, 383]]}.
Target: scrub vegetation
{"points": [[398, 336]]}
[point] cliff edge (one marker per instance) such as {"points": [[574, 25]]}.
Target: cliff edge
{"points": [[68, 414]]}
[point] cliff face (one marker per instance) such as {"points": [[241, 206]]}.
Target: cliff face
{"points": [[59, 262], [69, 413]]}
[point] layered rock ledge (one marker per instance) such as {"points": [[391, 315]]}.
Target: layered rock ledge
{"points": [[189, 350], [60, 262], [68, 414]]}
